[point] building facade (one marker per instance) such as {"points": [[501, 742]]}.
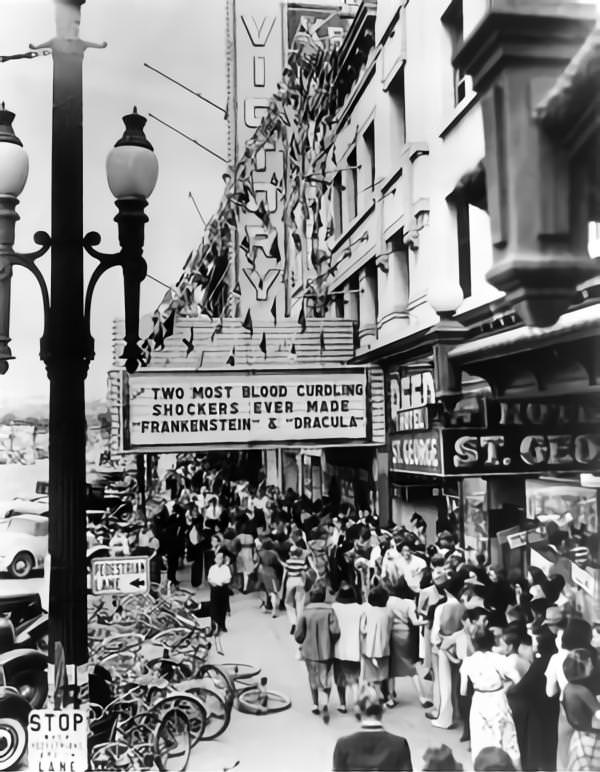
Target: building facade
{"points": [[463, 209]]}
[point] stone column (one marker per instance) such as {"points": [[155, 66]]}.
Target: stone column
{"points": [[393, 286], [367, 306]]}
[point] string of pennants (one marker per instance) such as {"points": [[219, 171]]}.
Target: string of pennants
{"points": [[300, 121]]}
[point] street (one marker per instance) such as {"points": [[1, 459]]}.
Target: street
{"points": [[296, 740]]}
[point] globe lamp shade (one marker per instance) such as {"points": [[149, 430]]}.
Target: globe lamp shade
{"points": [[14, 162], [445, 297], [132, 166]]}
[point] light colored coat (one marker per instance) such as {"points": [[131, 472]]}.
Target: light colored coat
{"points": [[348, 616], [376, 630]]}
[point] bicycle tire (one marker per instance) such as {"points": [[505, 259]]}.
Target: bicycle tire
{"points": [[171, 669], [219, 681], [218, 715], [239, 671], [193, 708], [119, 663], [104, 757], [120, 642], [173, 723], [171, 638], [250, 700]]}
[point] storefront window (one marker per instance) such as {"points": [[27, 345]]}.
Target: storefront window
{"points": [[570, 516], [475, 517]]}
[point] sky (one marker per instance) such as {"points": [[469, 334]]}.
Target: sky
{"points": [[184, 39]]}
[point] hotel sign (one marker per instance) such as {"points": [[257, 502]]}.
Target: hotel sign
{"points": [[521, 437], [241, 409], [483, 452]]}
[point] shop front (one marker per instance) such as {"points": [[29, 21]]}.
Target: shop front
{"points": [[538, 451]]}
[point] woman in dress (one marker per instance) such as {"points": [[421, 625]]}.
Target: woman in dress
{"points": [[490, 721], [376, 631], [317, 554], [536, 715], [404, 643], [268, 580], [582, 710], [244, 564], [577, 635]]}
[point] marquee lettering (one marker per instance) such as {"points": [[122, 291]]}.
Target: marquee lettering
{"points": [[258, 33]]}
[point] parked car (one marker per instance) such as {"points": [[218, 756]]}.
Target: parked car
{"points": [[23, 544], [37, 505]]}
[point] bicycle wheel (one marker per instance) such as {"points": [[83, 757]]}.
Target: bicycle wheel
{"points": [[13, 742], [237, 671], [171, 638], [172, 745], [219, 681], [119, 664], [193, 708], [218, 715], [258, 702], [110, 756], [170, 669], [119, 643]]}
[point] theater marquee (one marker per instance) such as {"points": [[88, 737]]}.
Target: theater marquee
{"points": [[241, 409]]}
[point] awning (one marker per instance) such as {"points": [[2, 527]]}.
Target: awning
{"points": [[574, 325]]}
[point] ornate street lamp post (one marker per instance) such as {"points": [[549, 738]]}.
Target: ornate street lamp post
{"points": [[66, 346]]}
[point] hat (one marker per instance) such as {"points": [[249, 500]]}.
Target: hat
{"points": [[536, 592], [554, 616], [473, 581], [492, 758]]}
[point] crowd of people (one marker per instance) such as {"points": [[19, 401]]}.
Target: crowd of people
{"points": [[372, 609]]}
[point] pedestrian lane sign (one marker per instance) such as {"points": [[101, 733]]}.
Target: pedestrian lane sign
{"points": [[129, 575], [57, 741]]}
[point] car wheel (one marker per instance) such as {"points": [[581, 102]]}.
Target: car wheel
{"points": [[22, 565]]}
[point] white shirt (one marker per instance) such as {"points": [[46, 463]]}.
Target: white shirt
{"points": [[219, 575], [556, 680], [412, 570]]}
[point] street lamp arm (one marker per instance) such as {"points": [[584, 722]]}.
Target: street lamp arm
{"points": [[27, 261], [106, 261], [90, 241]]}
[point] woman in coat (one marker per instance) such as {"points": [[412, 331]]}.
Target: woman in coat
{"points": [[376, 631], [316, 632], [244, 545], [268, 564], [346, 664]]}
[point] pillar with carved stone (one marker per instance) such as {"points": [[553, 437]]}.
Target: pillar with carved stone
{"points": [[393, 290], [367, 306]]}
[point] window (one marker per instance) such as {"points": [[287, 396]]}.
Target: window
{"points": [[463, 231], [352, 187], [369, 138], [454, 23], [398, 111], [339, 302], [338, 188]]}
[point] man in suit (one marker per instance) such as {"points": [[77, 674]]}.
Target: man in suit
{"points": [[371, 748]]}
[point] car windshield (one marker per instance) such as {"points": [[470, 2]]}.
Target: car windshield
{"points": [[28, 527]]}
